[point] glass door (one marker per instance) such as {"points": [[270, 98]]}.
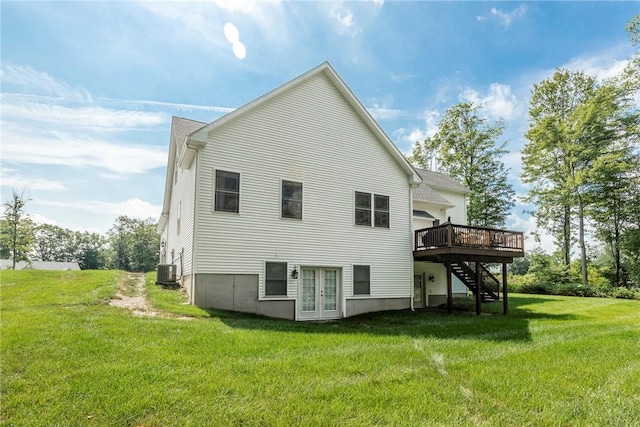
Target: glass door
{"points": [[320, 293], [418, 290]]}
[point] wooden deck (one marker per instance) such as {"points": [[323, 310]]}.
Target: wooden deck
{"points": [[462, 249], [453, 242]]}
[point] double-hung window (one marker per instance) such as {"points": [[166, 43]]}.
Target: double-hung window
{"points": [[361, 280], [371, 209], [363, 208], [291, 199], [275, 282], [227, 193], [381, 211]]}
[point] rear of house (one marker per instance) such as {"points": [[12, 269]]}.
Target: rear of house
{"points": [[436, 200], [296, 205]]}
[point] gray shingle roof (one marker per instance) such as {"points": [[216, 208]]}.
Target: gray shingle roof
{"points": [[435, 180], [440, 180], [40, 265], [182, 127]]}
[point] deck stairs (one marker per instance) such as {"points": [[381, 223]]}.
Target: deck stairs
{"points": [[489, 284]]}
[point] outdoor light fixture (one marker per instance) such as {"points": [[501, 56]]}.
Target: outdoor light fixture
{"points": [[432, 278], [163, 243], [294, 273]]}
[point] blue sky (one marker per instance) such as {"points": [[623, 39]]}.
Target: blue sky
{"points": [[89, 88]]}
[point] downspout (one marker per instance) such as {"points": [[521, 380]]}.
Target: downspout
{"points": [[411, 231], [193, 230]]}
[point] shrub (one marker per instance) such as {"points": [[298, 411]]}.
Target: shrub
{"points": [[625, 293]]}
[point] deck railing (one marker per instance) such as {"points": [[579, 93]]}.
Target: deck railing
{"points": [[450, 235]]}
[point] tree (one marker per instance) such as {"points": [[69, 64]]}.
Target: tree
{"points": [[552, 159], [577, 147], [134, 244], [465, 147], [16, 228]]}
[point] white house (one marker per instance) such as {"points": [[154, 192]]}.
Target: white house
{"points": [[298, 205], [436, 200]]}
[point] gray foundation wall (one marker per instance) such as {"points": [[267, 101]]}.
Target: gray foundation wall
{"points": [[359, 306], [238, 292]]}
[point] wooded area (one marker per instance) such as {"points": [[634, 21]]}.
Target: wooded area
{"points": [[581, 168], [131, 244]]}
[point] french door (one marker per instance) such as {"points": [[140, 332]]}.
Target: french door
{"points": [[320, 293], [419, 299]]}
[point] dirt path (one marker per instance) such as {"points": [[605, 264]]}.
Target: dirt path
{"points": [[132, 295]]}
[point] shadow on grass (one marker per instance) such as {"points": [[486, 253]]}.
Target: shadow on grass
{"points": [[426, 323]]}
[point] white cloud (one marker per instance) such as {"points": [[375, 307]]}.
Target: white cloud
{"points": [[381, 112], [500, 102], [41, 219], [134, 208], [527, 224], [11, 178], [506, 18], [249, 7], [83, 117], [199, 23], [402, 77], [408, 136], [33, 80], [600, 66], [344, 18], [57, 148]]}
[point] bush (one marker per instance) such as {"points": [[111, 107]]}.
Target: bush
{"points": [[625, 293]]}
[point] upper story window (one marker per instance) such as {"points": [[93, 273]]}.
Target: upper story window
{"points": [[364, 212], [381, 211], [363, 208], [227, 193], [291, 199]]}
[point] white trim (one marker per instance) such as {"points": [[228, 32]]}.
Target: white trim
{"points": [[263, 294], [213, 196], [353, 282], [280, 200], [372, 200]]}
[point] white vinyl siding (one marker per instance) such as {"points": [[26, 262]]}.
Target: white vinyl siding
{"points": [[179, 232], [308, 134]]}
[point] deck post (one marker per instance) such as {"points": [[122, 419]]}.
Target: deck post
{"points": [[478, 289], [505, 304], [449, 288]]}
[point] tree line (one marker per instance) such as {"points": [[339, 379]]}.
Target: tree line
{"points": [[581, 168], [131, 244]]}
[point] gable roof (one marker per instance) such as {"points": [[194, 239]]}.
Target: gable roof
{"points": [[326, 69], [425, 191], [195, 134], [442, 181], [181, 128]]}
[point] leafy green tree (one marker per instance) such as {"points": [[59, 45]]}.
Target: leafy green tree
{"points": [[520, 266], [16, 228], [134, 244], [465, 148], [91, 250], [571, 127]]}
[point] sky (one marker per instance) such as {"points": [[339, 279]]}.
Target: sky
{"points": [[88, 88]]}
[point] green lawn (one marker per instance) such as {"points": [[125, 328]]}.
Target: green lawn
{"points": [[68, 358]]}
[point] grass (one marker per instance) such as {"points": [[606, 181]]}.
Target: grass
{"points": [[68, 358]]}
